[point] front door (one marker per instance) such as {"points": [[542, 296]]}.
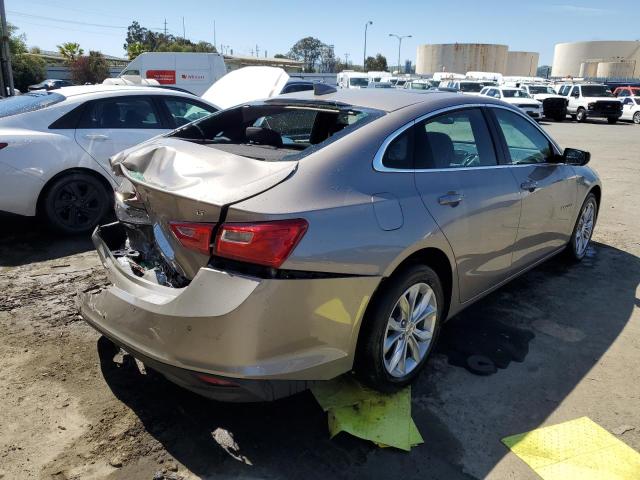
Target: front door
{"points": [[474, 200], [111, 125], [547, 189]]}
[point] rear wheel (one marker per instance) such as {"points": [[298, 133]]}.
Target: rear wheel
{"points": [[75, 203], [400, 329], [581, 115], [636, 118], [612, 120], [583, 229]]}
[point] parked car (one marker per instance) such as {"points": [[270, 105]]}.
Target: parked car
{"points": [[591, 100], [631, 109], [49, 84], [469, 87], [295, 239], [517, 97], [627, 92], [56, 146], [553, 105], [419, 85], [351, 79]]}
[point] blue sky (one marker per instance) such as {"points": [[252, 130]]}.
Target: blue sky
{"points": [[534, 25]]}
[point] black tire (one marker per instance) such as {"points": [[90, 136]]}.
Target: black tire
{"points": [[636, 118], [573, 117], [572, 253], [612, 120], [369, 363], [75, 203], [581, 115]]}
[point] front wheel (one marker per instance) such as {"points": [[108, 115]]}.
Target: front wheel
{"points": [[75, 203], [636, 118], [400, 329], [583, 229], [581, 115]]}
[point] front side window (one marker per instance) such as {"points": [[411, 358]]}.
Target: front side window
{"points": [[515, 94], [454, 140], [525, 142], [121, 112], [358, 82], [184, 111]]}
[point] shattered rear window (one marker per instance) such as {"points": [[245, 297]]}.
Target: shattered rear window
{"points": [[274, 132], [28, 102]]}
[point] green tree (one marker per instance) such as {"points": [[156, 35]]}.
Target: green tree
{"points": [[307, 50], [135, 49], [280, 55], [70, 51], [92, 68], [377, 63], [140, 39], [27, 68]]}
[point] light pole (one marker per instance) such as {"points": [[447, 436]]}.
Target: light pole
{"points": [[364, 57], [399, 37]]}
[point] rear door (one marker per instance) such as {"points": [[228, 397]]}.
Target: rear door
{"points": [[547, 188], [474, 200], [113, 124]]}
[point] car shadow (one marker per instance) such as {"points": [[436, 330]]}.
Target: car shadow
{"points": [[542, 333], [25, 240]]}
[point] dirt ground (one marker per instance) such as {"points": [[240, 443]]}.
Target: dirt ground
{"points": [[566, 341]]}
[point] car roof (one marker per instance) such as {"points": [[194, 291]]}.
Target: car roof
{"points": [[97, 89], [387, 100]]}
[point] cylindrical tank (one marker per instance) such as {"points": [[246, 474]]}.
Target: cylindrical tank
{"points": [[522, 64], [461, 58], [588, 69], [568, 57], [616, 69]]}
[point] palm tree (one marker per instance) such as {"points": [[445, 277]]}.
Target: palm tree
{"points": [[70, 51]]}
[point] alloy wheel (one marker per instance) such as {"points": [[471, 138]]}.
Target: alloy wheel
{"points": [[410, 330], [585, 228], [636, 118], [77, 204]]}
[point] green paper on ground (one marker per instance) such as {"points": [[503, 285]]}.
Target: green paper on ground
{"points": [[579, 449], [384, 419]]}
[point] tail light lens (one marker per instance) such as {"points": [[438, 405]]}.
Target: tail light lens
{"points": [[263, 243], [3, 144], [194, 236]]}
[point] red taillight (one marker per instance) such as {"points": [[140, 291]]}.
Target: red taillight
{"points": [[221, 382], [3, 144], [194, 236], [263, 243]]}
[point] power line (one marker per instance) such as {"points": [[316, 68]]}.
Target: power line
{"points": [[41, 17]]}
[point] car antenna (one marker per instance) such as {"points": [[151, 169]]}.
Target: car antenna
{"points": [[323, 89]]}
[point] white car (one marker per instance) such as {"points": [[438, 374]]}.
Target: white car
{"points": [[54, 155], [517, 97], [631, 109], [467, 87], [553, 105]]}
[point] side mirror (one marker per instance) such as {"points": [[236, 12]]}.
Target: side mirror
{"points": [[573, 156]]}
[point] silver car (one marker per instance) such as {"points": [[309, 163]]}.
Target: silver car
{"points": [[292, 240]]}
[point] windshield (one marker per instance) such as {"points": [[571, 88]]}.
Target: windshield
{"points": [[274, 132], [515, 94], [470, 87], [28, 102], [596, 91], [534, 90], [420, 86], [358, 82]]}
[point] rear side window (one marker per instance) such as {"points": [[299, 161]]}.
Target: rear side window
{"points": [[28, 102], [184, 111], [525, 142], [399, 153], [121, 112], [454, 140]]}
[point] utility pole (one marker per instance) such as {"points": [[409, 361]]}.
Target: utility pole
{"points": [[165, 27], [346, 59], [214, 33], [6, 74], [184, 32], [257, 51], [364, 57], [399, 37]]}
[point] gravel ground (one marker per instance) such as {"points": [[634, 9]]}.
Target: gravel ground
{"points": [[566, 341]]}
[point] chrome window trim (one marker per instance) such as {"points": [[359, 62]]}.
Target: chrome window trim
{"points": [[379, 166]]}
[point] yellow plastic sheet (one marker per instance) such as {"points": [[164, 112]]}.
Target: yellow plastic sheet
{"points": [[578, 449], [384, 419]]}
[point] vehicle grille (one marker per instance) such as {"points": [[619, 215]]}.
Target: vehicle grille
{"points": [[529, 106], [608, 106], [552, 106]]}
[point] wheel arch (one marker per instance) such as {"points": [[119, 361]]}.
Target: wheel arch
{"points": [[69, 171]]}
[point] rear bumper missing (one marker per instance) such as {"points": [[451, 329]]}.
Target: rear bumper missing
{"points": [[285, 332]]}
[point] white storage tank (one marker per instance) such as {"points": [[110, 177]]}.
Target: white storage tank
{"points": [[589, 69], [568, 57], [522, 64], [461, 57], [616, 69]]}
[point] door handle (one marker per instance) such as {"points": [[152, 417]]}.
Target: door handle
{"points": [[96, 136], [531, 185], [451, 198]]}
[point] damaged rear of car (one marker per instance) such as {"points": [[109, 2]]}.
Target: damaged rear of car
{"points": [[206, 300]]}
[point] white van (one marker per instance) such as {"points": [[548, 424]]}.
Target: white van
{"points": [[351, 79], [193, 72]]}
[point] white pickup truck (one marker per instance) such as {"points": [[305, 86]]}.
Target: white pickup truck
{"points": [[591, 101], [553, 105]]}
